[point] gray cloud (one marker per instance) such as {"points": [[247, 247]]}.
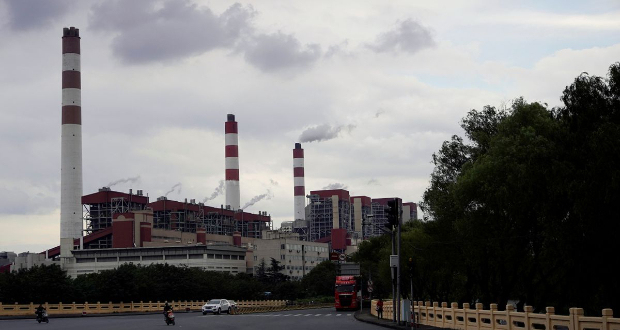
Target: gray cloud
{"points": [[323, 132], [336, 185], [379, 113], [279, 51], [407, 36], [373, 182], [33, 14], [255, 199], [16, 201], [150, 30], [132, 180]]}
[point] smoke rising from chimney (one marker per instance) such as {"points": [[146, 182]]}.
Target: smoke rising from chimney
{"points": [[336, 185], [132, 180], [324, 132], [218, 191], [255, 199], [174, 187]]}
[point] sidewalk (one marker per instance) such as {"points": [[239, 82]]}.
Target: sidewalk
{"points": [[365, 316]]}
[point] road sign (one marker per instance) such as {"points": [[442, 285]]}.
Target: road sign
{"points": [[342, 257], [370, 289], [333, 256], [369, 282], [393, 261]]}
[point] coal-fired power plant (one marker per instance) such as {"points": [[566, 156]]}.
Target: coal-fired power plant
{"points": [[232, 164], [299, 184], [71, 143]]}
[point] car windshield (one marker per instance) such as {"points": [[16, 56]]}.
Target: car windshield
{"points": [[214, 301]]}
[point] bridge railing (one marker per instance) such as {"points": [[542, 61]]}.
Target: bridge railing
{"points": [[477, 318], [243, 307]]}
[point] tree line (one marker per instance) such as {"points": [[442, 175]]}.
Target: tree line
{"points": [[521, 208], [163, 282]]}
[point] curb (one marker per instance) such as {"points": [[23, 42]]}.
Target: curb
{"points": [[377, 322]]}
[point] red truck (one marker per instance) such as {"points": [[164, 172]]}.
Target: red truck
{"points": [[346, 296]]}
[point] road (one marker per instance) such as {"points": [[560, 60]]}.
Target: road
{"points": [[310, 319]]}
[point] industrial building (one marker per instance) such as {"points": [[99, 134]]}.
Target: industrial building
{"points": [[334, 213]]}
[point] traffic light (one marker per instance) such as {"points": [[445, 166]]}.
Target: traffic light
{"points": [[392, 213], [410, 265]]}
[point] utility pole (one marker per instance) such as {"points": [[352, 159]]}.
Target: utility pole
{"points": [[399, 317], [394, 279]]}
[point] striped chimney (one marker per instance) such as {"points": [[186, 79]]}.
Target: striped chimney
{"points": [[300, 187], [71, 143], [232, 163]]}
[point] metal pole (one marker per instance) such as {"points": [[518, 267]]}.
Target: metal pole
{"points": [[399, 317], [411, 298], [393, 278]]}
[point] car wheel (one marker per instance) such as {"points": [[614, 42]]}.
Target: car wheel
{"points": [[204, 313], [219, 311]]}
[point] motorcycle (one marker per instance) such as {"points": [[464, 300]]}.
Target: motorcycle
{"points": [[169, 318], [42, 317]]}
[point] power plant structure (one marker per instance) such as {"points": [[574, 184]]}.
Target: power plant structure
{"points": [[335, 216], [104, 229], [71, 142], [232, 164]]}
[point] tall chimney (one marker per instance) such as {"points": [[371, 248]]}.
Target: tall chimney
{"points": [[71, 143], [232, 163], [300, 186]]}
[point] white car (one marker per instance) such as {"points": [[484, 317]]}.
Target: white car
{"points": [[216, 306]]}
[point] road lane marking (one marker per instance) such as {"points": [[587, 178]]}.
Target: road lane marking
{"points": [[317, 315], [338, 314], [308, 315]]}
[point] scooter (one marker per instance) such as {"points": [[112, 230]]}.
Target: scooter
{"points": [[42, 317], [169, 318]]}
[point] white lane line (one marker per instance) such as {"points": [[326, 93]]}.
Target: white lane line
{"points": [[308, 315], [348, 314], [338, 314], [297, 314], [328, 315], [318, 315]]}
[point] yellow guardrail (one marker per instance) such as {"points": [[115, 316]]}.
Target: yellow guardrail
{"points": [[477, 318], [243, 307]]}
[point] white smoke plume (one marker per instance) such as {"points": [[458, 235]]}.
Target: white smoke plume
{"points": [[218, 191], [132, 180], [173, 188], [255, 199], [323, 132], [333, 186]]}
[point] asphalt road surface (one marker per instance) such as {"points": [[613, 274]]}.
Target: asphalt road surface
{"points": [[309, 319]]}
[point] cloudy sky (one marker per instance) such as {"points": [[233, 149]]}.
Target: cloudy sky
{"points": [[370, 88]]}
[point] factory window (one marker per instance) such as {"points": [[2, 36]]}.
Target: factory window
{"points": [[255, 258], [83, 260], [282, 257], [241, 257], [145, 258], [132, 258], [196, 256], [226, 267], [107, 259], [282, 247], [218, 256], [176, 257], [218, 267], [210, 256], [227, 256]]}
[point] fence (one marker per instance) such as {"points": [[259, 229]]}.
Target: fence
{"points": [[478, 318], [243, 307]]}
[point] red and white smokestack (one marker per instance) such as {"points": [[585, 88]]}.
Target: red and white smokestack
{"points": [[300, 186], [232, 163], [71, 143]]}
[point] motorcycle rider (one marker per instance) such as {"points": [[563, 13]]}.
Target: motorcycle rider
{"points": [[167, 308], [39, 310]]}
